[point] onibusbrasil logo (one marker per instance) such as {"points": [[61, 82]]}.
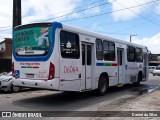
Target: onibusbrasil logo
{"points": [[21, 114]]}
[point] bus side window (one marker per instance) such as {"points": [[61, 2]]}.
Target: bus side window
{"points": [[69, 43], [83, 54], [109, 51], [139, 55], [112, 51], [106, 50], [99, 49], [131, 54]]}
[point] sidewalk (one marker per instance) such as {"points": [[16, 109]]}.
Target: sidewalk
{"points": [[146, 102]]}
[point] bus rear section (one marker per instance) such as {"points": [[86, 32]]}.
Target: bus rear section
{"points": [[35, 60]]}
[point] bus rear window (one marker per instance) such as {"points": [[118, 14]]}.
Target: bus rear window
{"points": [[32, 41], [69, 43]]}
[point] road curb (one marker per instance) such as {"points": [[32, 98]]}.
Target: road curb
{"points": [[130, 102], [139, 97]]}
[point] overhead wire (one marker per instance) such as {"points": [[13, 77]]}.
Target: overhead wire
{"points": [[151, 11], [137, 25], [98, 14], [139, 15], [72, 9], [119, 32], [108, 12], [80, 10], [73, 12]]}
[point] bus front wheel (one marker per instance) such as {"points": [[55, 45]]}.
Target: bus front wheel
{"points": [[102, 86]]}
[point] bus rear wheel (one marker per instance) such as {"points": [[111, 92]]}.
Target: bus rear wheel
{"points": [[102, 86]]}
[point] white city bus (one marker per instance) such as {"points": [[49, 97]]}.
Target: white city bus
{"points": [[60, 57]]}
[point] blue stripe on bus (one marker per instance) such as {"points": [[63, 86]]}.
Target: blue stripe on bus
{"points": [[23, 67], [55, 25], [99, 64], [106, 64]]}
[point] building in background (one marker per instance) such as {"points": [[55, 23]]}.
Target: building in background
{"points": [[154, 60], [6, 55]]}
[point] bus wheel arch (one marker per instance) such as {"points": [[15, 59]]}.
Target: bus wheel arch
{"points": [[103, 84]]}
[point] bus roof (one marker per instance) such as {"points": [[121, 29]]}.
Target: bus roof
{"points": [[86, 32], [98, 35]]}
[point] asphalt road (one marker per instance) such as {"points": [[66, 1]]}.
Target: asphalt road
{"points": [[44, 100]]}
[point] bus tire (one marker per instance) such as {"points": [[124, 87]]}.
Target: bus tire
{"points": [[139, 79], [102, 86]]}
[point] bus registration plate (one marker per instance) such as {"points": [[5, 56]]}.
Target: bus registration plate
{"points": [[29, 75]]}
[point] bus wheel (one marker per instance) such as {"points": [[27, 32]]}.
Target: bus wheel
{"points": [[102, 86], [139, 79]]}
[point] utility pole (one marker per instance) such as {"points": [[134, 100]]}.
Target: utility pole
{"points": [[16, 13], [131, 37]]}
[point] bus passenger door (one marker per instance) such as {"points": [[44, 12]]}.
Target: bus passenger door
{"points": [[120, 59], [86, 66]]}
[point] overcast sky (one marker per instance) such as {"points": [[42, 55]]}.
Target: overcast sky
{"points": [[114, 18]]}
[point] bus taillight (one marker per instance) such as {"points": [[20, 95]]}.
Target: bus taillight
{"points": [[51, 71], [13, 69]]}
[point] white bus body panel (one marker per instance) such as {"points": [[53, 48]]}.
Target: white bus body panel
{"points": [[71, 75]]}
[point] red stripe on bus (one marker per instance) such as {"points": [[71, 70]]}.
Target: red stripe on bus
{"points": [[114, 64], [35, 67]]}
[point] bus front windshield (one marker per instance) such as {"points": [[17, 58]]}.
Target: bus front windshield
{"points": [[32, 41]]}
